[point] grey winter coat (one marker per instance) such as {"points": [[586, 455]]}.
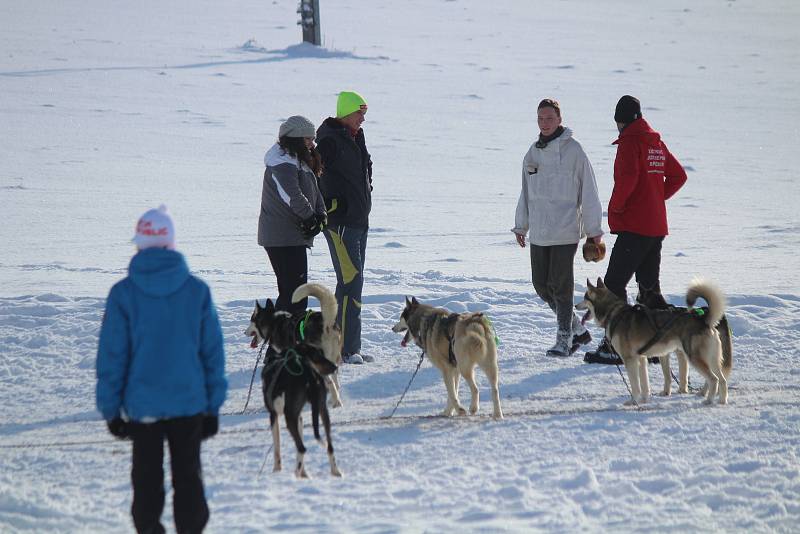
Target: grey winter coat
{"points": [[289, 195]]}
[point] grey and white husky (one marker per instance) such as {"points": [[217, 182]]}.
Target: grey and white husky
{"points": [[697, 335], [455, 343]]}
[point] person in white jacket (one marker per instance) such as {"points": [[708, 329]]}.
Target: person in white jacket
{"points": [[558, 206]]}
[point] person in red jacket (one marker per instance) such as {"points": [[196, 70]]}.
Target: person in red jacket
{"points": [[646, 174]]}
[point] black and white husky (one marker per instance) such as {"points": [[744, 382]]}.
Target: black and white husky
{"points": [[289, 380], [315, 328], [300, 368]]}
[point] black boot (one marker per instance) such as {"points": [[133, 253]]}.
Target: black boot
{"points": [[604, 353]]}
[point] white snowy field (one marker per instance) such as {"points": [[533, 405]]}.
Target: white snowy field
{"points": [[109, 108]]}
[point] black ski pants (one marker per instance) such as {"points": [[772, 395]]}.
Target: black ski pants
{"points": [[554, 279], [635, 254], [290, 265], [183, 435]]}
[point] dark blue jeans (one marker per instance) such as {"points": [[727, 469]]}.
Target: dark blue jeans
{"points": [[348, 246]]}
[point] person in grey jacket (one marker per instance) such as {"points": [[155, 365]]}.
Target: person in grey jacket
{"points": [[292, 208], [558, 205]]}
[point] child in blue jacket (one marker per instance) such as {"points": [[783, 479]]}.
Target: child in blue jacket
{"points": [[161, 374]]}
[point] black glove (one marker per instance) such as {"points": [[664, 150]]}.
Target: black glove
{"points": [[118, 428], [312, 225], [210, 426]]}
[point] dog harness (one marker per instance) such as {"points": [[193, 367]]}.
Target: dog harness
{"points": [[278, 363], [651, 318], [448, 323]]}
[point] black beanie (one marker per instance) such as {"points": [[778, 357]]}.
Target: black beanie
{"points": [[628, 110]]}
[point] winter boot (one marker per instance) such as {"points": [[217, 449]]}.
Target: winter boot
{"points": [[353, 358], [604, 353], [580, 335], [563, 346]]}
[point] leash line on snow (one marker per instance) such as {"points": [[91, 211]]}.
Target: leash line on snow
{"points": [[253, 376], [405, 418], [629, 388], [688, 383], [421, 357]]}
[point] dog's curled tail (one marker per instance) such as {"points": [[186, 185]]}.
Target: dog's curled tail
{"points": [[327, 300], [700, 288]]}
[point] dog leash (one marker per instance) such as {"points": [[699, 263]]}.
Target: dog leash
{"points": [[253, 377], [688, 382], [629, 388], [421, 357]]}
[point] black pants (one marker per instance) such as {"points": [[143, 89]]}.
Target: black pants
{"points": [[554, 279], [291, 269], [189, 501], [635, 254]]}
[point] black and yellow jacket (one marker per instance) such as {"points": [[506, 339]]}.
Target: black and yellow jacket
{"points": [[346, 181]]}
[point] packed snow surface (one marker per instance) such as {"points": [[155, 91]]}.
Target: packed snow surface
{"points": [[112, 108]]}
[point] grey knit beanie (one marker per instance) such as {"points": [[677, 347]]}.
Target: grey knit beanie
{"points": [[297, 126]]}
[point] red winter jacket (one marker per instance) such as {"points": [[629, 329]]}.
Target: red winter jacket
{"points": [[645, 175]]}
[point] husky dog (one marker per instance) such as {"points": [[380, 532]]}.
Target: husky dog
{"points": [[637, 332], [724, 332], [455, 343], [318, 329], [289, 380]]}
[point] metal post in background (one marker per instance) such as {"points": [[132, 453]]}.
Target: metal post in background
{"points": [[309, 20]]}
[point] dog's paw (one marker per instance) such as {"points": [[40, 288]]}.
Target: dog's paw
{"points": [[336, 403], [276, 468], [498, 416], [665, 393], [462, 411], [629, 402], [301, 473], [473, 409], [335, 471]]}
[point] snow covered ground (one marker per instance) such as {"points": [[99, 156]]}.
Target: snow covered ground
{"points": [[110, 108]]}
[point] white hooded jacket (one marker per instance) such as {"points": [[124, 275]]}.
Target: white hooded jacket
{"points": [[558, 204]]}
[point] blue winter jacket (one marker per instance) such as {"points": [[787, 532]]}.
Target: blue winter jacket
{"points": [[161, 349]]}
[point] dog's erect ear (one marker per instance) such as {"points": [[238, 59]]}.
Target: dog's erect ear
{"points": [[258, 306], [589, 284], [408, 302], [414, 301], [270, 305], [600, 283]]}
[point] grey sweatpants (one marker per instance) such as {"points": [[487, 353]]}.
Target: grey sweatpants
{"points": [[554, 279], [348, 246]]}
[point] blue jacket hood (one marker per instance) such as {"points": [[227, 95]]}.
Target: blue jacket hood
{"points": [[158, 272]]}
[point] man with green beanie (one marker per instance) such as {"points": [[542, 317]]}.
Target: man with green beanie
{"points": [[346, 186]]}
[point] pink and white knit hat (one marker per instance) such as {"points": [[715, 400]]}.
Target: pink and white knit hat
{"points": [[155, 229]]}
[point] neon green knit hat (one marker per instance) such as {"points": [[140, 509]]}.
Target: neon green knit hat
{"points": [[349, 102]]}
